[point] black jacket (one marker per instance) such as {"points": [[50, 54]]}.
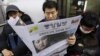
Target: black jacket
{"points": [[21, 48], [98, 37], [88, 42]]}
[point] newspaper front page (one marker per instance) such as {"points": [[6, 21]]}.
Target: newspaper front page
{"points": [[46, 38]]}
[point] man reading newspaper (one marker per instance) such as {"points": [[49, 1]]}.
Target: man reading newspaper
{"points": [[50, 9]]}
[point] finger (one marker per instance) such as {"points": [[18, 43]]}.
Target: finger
{"points": [[11, 53], [72, 37]]}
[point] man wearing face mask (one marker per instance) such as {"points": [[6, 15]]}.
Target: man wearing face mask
{"points": [[10, 42], [86, 43]]}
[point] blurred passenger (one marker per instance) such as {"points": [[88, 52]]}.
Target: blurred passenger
{"points": [[86, 41], [11, 44], [98, 38]]}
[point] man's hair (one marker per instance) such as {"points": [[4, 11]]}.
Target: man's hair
{"points": [[90, 19], [50, 4]]}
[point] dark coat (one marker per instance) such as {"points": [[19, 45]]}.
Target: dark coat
{"points": [[21, 49], [98, 38], [88, 42]]}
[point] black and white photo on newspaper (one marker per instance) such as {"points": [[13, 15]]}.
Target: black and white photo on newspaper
{"points": [[48, 38]]}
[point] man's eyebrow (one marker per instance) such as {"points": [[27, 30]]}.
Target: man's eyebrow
{"points": [[52, 11]]}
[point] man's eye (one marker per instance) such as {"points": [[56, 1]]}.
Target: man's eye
{"points": [[52, 12]]}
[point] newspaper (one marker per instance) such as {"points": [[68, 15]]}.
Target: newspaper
{"points": [[46, 38]]}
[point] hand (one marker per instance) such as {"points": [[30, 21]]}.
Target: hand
{"points": [[71, 40], [6, 52]]}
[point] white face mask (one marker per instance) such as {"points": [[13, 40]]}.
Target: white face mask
{"points": [[86, 32]]}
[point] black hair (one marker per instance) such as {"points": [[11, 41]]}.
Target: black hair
{"points": [[50, 4], [89, 19], [10, 13]]}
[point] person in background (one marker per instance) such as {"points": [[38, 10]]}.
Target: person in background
{"points": [[11, 44], [86, 41], [98, 38]]}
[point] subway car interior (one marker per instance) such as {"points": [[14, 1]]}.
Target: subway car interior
{"points": [[67, 9]]}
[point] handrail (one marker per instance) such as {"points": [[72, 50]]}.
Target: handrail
{"points": [[2, 24]]}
